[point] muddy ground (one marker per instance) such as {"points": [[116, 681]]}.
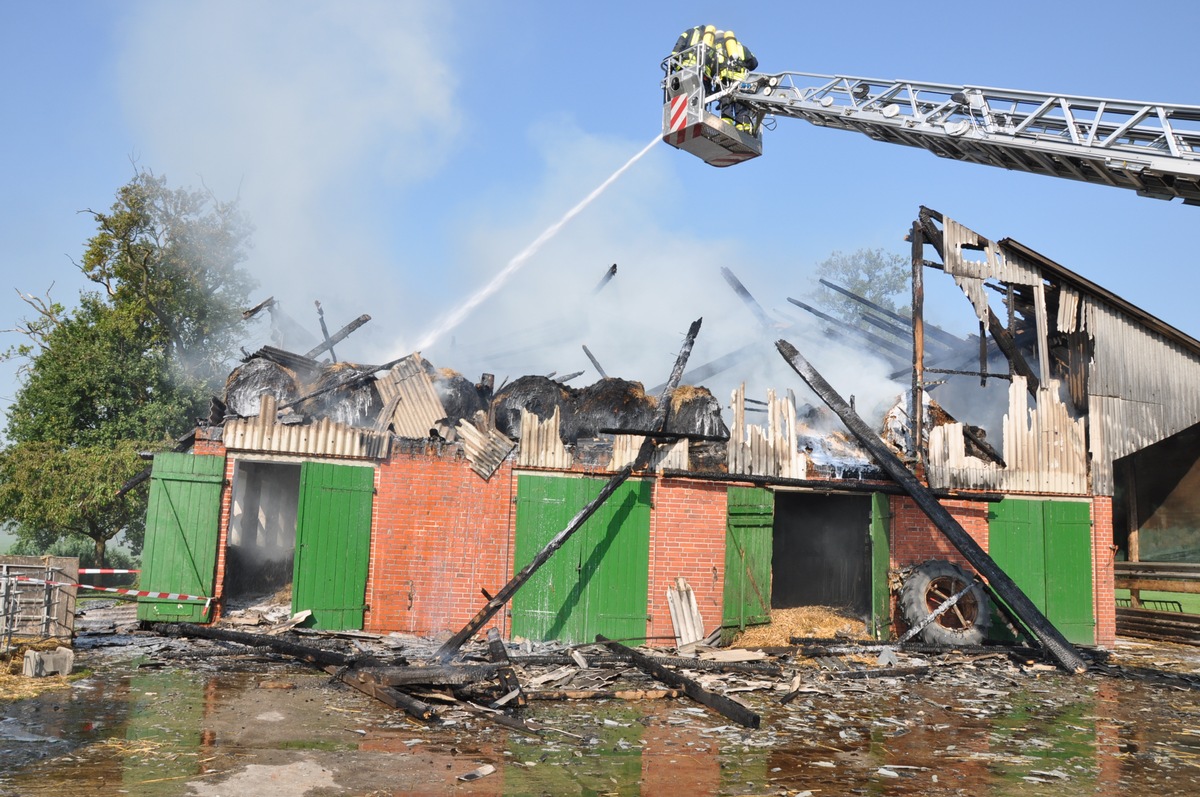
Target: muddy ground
{"points": [[158, 716]]}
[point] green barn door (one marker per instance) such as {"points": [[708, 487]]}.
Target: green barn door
{"points": [[881, 591], [1069, 560], [597, 582], [1046, 548], [333, 539], [180, 552], [748, 544]]}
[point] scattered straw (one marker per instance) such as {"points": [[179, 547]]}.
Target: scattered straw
{"points": [[804, 621], [18, 687]]}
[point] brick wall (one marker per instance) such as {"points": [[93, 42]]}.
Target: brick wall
{"points": [[1103, 553], [687, 538], [915, 539], [439, 533]]}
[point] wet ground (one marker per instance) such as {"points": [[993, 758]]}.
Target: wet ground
{"points": [[151, 721]]}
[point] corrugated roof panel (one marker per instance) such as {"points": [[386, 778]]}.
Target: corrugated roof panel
{"points": [[541, 444], [486, 451], [323, 438], [419, 408]]}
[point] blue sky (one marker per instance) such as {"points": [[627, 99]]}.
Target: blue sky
{"points": [[395, 156]]}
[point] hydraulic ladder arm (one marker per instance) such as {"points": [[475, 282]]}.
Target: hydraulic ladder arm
{"points": [[1152, 148]]}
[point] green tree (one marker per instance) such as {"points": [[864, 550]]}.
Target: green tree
{"points": [[127, 370], [884, 278]]}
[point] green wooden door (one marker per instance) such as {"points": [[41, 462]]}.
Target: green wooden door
{"points": [[749, 523], [180, 551], [597, 582], [1069, 565], [333, 540], [881, 593], [1046, 548]]}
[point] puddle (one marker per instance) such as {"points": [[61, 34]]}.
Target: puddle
{"points": [[181, 730]]}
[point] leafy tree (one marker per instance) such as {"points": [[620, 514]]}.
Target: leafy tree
{"points": [[881, 277], [129, 369]]}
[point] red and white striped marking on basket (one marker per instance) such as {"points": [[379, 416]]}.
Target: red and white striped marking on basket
{"points": [[102, 571], [678, 112], [141, 593]]}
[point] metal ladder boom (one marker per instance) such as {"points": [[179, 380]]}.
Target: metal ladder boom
{"points": [[1152, 148]]}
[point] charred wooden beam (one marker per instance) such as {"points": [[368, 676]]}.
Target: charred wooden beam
{"points": [[831, 487], [842, 326], [728, 708], [417, 709], [328, 344], [880, 323], [442, 675], [935, 332], [764, 320], [604, 694], [998, 581], [700, 373], [454, 643], [306, 653], [338, 336], [608, 275], [916, 407], [258, 308], [505, 672], [595, 363], [657, 435], [608, 660]]}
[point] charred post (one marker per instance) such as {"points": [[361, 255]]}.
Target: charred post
{"points": [[338, 336]]}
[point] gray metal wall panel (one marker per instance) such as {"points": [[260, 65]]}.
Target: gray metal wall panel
{"points": [[1142, 388]]}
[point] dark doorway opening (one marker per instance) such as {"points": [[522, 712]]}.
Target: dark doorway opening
{"points": [[262, 528], [1156, 504], [821, 552]]}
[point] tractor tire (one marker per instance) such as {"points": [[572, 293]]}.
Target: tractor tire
{"points": [[927, 586]]}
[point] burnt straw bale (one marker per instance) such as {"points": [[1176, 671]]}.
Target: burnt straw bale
{"points": [[694, 410], [537, 394], [459, 396], [352, 400], [250, 381], [609, 404]]}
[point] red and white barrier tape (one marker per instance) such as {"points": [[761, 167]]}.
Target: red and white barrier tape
{"points": [[171, 596], [102, 571]]}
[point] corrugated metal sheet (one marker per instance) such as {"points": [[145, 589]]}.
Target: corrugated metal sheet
{"points": [[1143, 388], [541, 446], [1068, 310], [626, 447], [419, 408], [322, 438], [990, 261], [1044, 449], [765, 451], [486, 451]]}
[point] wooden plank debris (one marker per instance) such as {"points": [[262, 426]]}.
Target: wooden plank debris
{"points": [[452, 645], [997, 580], [505, 672], [727, 707]]}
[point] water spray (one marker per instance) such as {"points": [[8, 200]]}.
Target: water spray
{"points": [[462, 311]]}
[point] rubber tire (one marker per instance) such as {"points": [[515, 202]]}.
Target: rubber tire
{"points": [[949, 629]]}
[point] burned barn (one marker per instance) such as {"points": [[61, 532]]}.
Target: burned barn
{"points": [[401, 497]]}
